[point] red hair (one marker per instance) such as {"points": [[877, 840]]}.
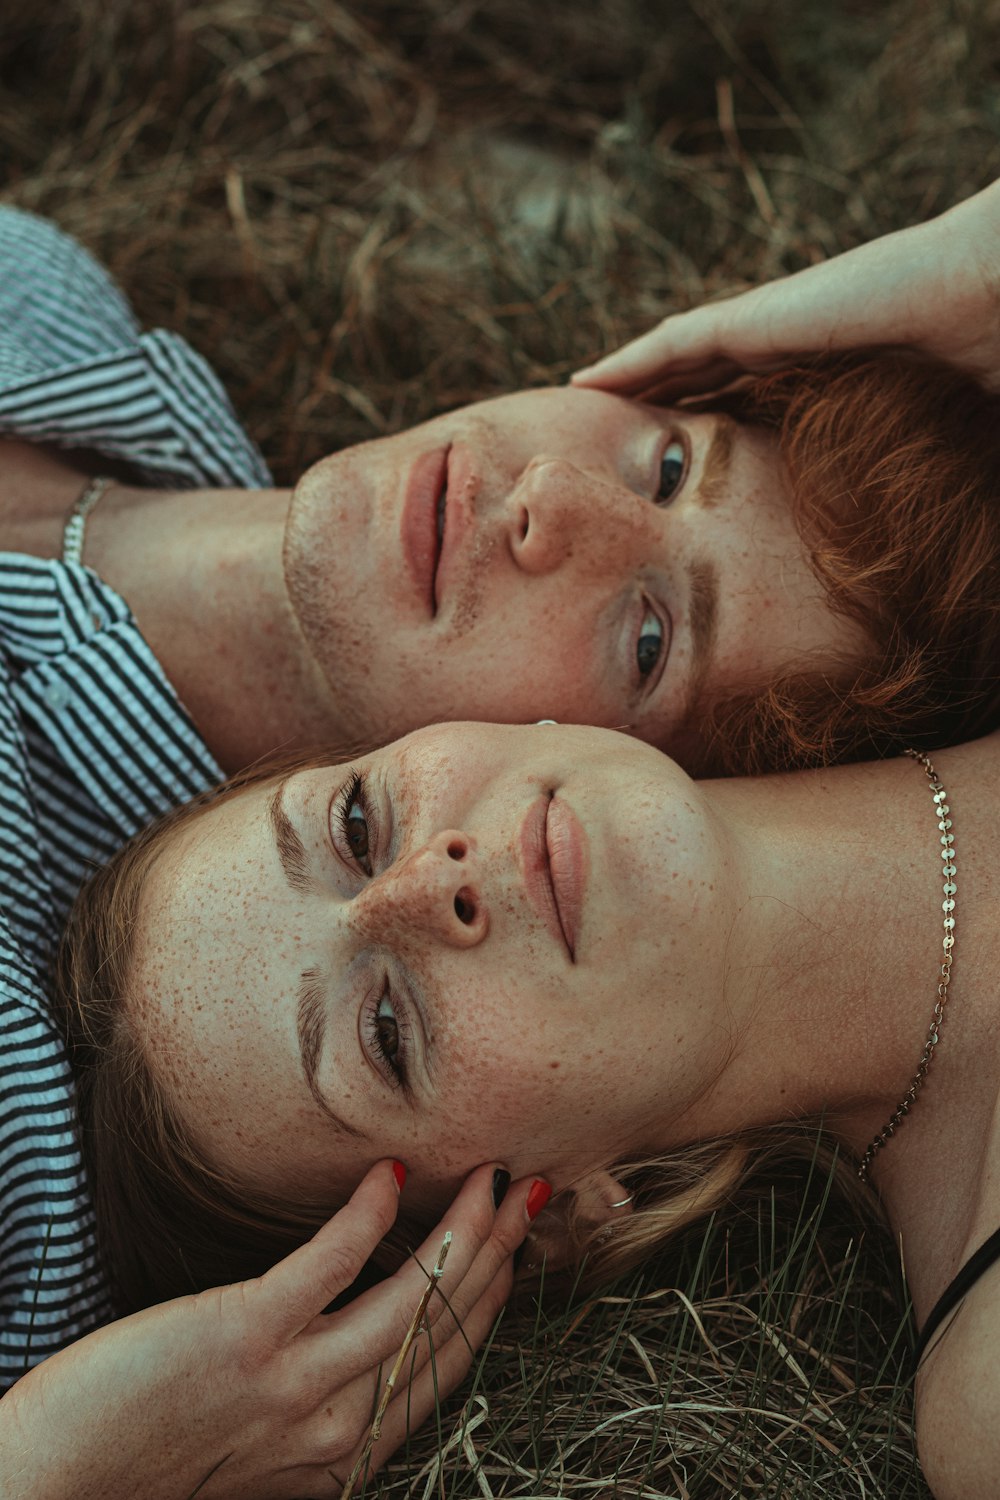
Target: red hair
{"points": [[894, 464]]}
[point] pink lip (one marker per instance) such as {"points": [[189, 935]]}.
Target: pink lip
{"points": [[553, 860], [462, 487], [567, 849], [418, 525]]}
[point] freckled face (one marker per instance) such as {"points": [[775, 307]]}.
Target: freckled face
{"points": [[556, 553], [477, 944]]}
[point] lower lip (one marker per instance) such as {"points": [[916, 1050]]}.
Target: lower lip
{"points": [[567, 846], [418, 527]]}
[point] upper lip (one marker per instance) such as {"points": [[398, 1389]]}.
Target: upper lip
{"points": [[537, 869], [462, 486], [426, 484], [566, 844]]}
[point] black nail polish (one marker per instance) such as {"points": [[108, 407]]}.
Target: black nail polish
{"points": [[501, 1182]]}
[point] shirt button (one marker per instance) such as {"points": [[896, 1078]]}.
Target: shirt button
{"points": [[56, 695]]}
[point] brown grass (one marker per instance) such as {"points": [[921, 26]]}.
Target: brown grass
{"points": [[364, 213]]}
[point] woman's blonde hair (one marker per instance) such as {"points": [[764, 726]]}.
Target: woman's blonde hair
{"points": [[673, 1191]]}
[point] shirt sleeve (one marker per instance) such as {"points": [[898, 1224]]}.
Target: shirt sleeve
{"points": [[57, 304], [77, 371]]}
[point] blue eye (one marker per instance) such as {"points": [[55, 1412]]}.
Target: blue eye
{"points": [[672, 467], [649, 644]]}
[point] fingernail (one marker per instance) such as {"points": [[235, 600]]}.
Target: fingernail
{"points": [[399, 1172], [501, 1182], [538, 1195]]}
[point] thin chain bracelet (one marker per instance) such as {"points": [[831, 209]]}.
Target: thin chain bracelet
{"points": [[944, 973]]}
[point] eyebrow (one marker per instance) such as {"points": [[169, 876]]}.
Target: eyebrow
{"points": [[714, 475], [311, 1010], [703, 581], [310, 1023], [291, 850]]}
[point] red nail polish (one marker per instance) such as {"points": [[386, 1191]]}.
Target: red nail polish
{"points": [[399, 1172], [538, 1195]]}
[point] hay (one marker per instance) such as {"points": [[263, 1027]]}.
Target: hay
{"points": [[365, 213]]}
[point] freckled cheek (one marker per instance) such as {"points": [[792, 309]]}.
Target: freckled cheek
{"points": [[511, 1068], [543, 640], [213, 1010]]}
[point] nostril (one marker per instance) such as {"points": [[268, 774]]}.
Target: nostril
{"points": [[465, 909], [456, 849], [524, 524]]}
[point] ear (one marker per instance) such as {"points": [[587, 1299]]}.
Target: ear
{"points": [[595, 1199]]}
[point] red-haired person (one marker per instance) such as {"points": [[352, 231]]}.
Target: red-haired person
{"points": [[806, 576]]}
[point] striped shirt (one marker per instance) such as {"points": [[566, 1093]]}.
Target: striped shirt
{"points": [[93, 740]]}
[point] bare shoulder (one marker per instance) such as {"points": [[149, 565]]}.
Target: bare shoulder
{"points": [[958, 1399]]}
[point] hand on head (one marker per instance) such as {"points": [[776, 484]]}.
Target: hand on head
{"points": [[932, 287]]}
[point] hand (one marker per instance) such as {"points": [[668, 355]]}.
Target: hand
{"points": [[250, 1392], [935, 287]]}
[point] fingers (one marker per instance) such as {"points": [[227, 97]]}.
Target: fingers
{"points": [[370, 1331], [483, 1236], [477, 1263], [299, 1287], [434, 1380], [679, 347], [342, 1362]]}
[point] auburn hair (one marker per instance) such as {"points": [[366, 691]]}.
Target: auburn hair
{"points": [[894, 462]]}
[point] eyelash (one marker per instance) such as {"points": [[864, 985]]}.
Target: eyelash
{"points": [[394, 1068], [674, 439], [354, 790], [355, 793]]}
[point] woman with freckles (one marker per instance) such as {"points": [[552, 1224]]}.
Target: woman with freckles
{"points": [[804, 571], [457, 950]]}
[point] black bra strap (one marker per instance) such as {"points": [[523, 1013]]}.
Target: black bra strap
{"points": [[956, 1290]]}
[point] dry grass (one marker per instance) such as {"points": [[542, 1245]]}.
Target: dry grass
{"points": [[363, 213], [766, 1356]]}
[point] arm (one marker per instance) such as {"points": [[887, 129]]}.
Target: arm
{"points": [[958, 1397], [935, 287], [251, 1392]]}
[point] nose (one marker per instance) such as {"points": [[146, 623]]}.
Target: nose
{"points": [[557, 512], [434, 891]]}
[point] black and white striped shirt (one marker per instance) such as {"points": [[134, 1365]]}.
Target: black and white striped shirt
{"points": [[93, 741]]}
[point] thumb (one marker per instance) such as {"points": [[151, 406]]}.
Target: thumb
{"points": [[299, 1287]]}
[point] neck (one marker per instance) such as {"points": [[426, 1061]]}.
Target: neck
{"points": [[834, 944], [201, 571], [202, 574]]}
